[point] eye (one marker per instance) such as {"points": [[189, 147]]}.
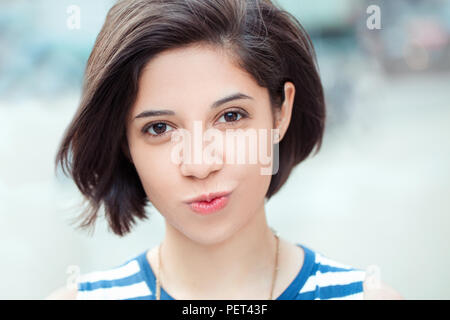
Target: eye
{"points": [[156, 129], [233, 116]]}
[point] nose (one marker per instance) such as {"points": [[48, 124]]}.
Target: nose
{"points": [[199, 158], [201, 169]]}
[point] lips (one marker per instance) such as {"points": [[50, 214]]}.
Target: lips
{"points": [[208, 197], [209, 203]]}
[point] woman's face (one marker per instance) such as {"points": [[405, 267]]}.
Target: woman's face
{"points": [[187, 82]]}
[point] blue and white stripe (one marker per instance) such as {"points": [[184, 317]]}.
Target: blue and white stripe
{"points": [[320, 278], [332, 280], [123, 282]]}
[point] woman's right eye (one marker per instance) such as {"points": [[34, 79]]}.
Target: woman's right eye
{"points": [[156, 129]]}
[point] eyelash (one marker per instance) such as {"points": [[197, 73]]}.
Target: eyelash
{"points": [[242, 113]]}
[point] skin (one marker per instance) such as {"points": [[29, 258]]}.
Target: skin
{"points": [[208, 256], [231, 253]]}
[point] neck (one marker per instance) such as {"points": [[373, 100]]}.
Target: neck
{"points": [[239, 266]]}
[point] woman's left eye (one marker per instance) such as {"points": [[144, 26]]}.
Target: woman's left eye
{"points": [[232, 116]]}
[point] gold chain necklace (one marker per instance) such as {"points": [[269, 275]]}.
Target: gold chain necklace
{"points": [[275, 271]]}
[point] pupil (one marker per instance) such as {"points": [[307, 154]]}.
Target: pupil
{"points": [[160, 128], [228, 113]]}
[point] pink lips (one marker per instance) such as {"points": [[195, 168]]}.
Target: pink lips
{"points": [[209, 203]]}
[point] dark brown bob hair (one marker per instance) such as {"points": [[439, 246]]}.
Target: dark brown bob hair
{"points": [[267, 42]]}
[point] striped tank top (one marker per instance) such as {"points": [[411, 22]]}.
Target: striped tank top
{"points": [[319, 278]]}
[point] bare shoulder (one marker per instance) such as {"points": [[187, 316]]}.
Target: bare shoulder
{"points": [[63, 293], [380, 292]]}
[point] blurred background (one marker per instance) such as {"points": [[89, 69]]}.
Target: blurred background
{"points": [[378, 192]]}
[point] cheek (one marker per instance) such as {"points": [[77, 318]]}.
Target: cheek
{"points": [[154, 171], [253, 176], [254, 185]]}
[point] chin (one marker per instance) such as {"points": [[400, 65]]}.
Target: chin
{"points": [[212, 235]]}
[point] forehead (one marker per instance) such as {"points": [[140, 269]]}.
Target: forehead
{"points": [[195, 75]]}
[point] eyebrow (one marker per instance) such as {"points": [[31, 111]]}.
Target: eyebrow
{"points": [[218, 103]]}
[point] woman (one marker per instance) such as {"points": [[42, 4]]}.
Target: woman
{"points": [[164, 68]]}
